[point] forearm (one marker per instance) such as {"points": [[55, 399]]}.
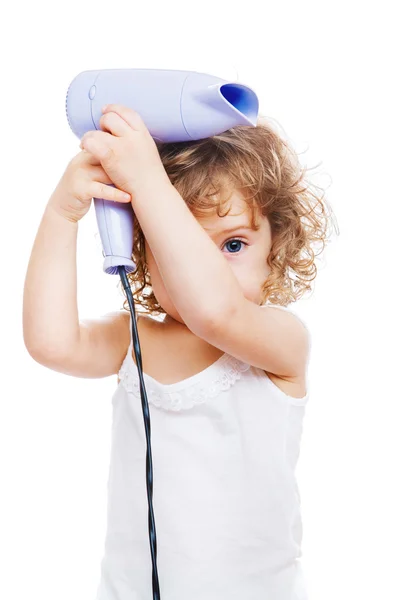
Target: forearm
{"points": [[196, 275], [50, 311]]}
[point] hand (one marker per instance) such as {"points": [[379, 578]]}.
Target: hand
{"points": [[83, 179], [128, 154]]}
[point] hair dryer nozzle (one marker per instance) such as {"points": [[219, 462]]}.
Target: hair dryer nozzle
{"points": [[243, 99], [211, 105]]}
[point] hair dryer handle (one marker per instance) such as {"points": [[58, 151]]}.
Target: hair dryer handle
{"points": [[115, 223]]}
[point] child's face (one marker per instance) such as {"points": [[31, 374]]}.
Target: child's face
{"points": [[248, 263]]}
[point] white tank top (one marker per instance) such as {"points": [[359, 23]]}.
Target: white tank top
{"points": [[225, 444]]}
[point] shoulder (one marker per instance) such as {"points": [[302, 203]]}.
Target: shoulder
{"points": [[123, 323], [120, 319], [289, 311], [295, 386]]}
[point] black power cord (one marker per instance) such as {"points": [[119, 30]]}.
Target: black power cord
{"points": [[146, 418]]}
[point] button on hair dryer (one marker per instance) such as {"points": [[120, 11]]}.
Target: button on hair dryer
{"points": [[175, 106]]}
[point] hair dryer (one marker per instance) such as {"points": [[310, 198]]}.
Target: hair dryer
{"points": [[176, 106]]}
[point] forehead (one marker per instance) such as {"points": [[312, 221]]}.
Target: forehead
{"points": [[239, 215]]}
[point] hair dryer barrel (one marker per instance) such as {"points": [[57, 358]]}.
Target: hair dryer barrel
{"points": [[174, 105]]}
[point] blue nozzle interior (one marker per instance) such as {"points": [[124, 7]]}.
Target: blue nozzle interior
{"points": [[242, 99]]}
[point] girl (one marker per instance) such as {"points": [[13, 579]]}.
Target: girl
{"points": [[224, 234]]}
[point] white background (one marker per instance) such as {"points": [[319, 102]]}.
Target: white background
{"points": [[327, 72]]}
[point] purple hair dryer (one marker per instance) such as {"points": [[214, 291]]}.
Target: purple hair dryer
{"points": [[176, 106]]}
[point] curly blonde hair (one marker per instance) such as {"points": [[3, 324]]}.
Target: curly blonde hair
{"points": [[260, 163]]}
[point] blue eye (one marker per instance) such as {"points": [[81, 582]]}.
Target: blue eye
{"points": [[235, 241]]}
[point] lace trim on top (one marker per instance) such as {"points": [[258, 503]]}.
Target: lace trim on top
{"points": [[182, 395]]}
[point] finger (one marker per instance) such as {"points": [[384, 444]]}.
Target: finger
{"points": [[108, 192], [130, 116], [98, 143], [99, 174], [115, 124], [89, 158]]}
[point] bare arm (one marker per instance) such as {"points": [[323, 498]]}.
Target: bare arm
{"points": [[53, 334], [50, 311]]}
